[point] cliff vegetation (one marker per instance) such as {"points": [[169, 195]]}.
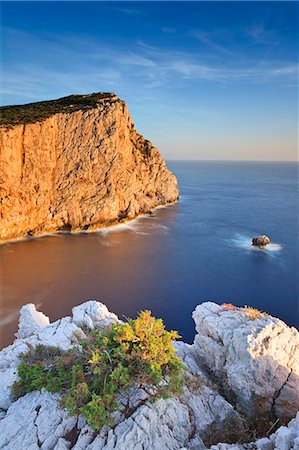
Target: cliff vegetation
{"points": [[39, 111], [90, 377]]}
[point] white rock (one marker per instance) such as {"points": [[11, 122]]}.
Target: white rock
{"points": [[8, 377], [62, 444], [163, 425], [34, 421], [248, 356], [286, 438], [252, 358], [9, 361], [264, 444], [187, 354], [85, 437], [93, 314], [62, 334], [287, 403], [31, 321]]}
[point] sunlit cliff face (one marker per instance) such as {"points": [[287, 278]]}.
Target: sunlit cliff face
{"points": [[79, 170]]}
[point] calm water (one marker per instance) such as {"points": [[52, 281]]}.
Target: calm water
{"points": [[196, 250]]}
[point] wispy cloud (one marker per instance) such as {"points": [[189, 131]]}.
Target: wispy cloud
{"points": [[258, 73], [60, 66], [187, 71], [135, 59], [193, 66], [211, 41], [260, 34], [129, 11]]}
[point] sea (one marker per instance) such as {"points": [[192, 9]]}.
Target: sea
{"points": [[196, 250]]}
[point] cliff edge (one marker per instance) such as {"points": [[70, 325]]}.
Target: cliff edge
{"points": [[76, 163]]}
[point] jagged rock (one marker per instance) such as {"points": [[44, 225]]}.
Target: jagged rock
{"points": [[261, 241], [31, 321], [164, 424], [93, 314], [62, 334], [8, 377], [77, 166], [62, 444], [287, 438], [252, 359], [200, 416], [9, 361], [287, 403], [212, 415], [35, 421]]}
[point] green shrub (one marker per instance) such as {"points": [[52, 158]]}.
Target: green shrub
{"points": [[91, 376]]}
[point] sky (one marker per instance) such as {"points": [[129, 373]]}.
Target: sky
{"points": [[202, 80]]}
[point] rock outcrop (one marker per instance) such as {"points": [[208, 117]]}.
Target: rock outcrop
{"points": [[254, 357], [261, 241], [235, 361], [76, 163]]}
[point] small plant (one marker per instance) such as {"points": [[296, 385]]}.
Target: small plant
{"points": [[139, 352], [228, 306], [253, 313], [248, 311]]}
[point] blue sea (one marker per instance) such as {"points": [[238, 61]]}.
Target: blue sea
{"points": [[196, 250]]}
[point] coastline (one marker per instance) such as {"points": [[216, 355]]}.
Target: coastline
{"points": [[92, 229]]}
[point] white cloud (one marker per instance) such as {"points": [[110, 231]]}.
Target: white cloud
{"points": [[57, 65]]}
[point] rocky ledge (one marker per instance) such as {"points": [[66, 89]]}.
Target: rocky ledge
{"points": [[76, 163], [241, 388]]}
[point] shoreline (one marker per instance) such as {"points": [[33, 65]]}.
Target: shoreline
{"points": [[91, 229]]}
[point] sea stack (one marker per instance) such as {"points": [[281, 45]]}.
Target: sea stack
{"points": [[261, 241], [76, 163]]}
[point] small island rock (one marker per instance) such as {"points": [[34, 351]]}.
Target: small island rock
{"points": [[261, 241]]}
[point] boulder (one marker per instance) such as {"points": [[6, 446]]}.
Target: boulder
{"points": [[31, 321], [93, 314], [261, 241], [254, 357]]}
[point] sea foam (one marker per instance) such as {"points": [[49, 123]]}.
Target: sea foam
{"points": [[245, 242]]}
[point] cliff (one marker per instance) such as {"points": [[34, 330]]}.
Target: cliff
{"points": [[76, 163], [241, 376]]}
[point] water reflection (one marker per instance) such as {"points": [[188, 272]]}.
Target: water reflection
{"points": [[194, 251], [57, 272]]}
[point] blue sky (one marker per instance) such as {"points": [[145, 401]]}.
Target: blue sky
{"points": [[202, 80]]}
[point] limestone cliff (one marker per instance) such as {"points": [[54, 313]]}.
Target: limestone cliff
{"points": [[76, 163]]}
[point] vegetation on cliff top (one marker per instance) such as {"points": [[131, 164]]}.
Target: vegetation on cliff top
{"points": [[36, 112], [91, 376]]}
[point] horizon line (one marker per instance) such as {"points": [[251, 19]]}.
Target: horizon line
{"points": [[235, 160]]}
